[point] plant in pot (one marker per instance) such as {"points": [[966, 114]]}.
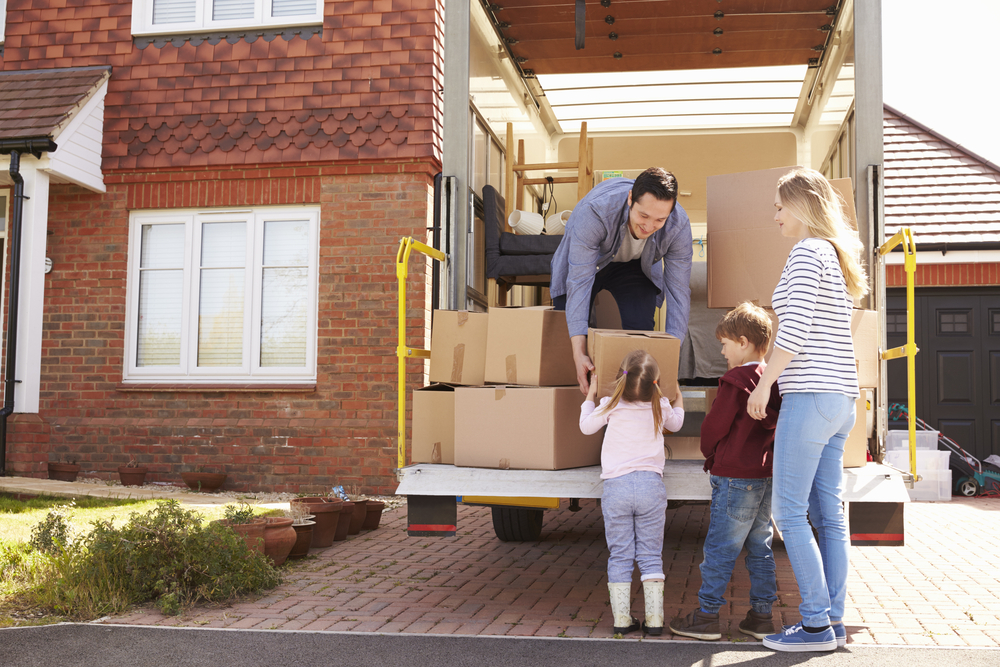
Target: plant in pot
{"points": [[132, 474], [360, 509], [64, 471], [303, 527], [201, 480], [241, 518], [279, 538], [327, 515]]}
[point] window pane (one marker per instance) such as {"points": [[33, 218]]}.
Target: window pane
{"points": [[294, 7], [160, 303], [285, 293], [173, 11], [228, 10], [222, 295], [161, 285], [284, 313], [162, 247], [220, 317]]}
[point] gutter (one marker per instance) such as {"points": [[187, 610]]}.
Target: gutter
{"points": [[35, 146]]}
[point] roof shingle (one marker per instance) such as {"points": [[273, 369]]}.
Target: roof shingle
{"points": [[39, 103]]}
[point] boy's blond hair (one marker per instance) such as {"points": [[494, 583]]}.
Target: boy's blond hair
{"points": [[746, 320]]}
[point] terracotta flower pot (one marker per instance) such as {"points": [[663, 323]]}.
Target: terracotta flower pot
{"points": [[252, 533], [132, 476], [358, 518], [346, 514], [327, 516], [64, 472], [303, 537], [206, 482], [373, 515], [279, 538]]}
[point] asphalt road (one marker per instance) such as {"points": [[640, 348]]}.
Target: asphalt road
{"points": [[68, 645]]}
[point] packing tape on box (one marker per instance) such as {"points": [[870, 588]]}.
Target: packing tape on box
{"points": [[512, 369], [504, 464], [457, 360], [436, 453], [463, 317], [500, 392]]}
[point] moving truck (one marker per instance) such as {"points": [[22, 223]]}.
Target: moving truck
{"points": [[727, 96]]}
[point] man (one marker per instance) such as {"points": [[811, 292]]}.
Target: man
{"points": [[614, 240]]}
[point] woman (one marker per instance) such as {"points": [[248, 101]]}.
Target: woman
{"points": [[813, 363]]}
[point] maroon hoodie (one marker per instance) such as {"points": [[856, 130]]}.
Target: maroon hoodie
{"points": [[734, 444]]}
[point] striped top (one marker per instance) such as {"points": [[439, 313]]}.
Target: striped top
{"points": [[814, 322]]}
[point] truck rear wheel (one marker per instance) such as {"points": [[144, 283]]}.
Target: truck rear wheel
{"points": [[517, 524]]}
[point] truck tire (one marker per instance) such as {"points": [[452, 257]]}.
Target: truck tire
{"points": [[517, 524]]}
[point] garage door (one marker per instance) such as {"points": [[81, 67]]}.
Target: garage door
{"points": [[958, 367]]}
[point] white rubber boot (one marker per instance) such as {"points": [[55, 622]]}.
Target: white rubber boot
{"points": [[621, 607], [652, 591]]}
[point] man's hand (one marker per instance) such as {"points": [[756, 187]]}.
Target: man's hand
{"points": [[583, 363]]}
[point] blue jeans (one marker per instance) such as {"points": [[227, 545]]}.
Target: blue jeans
{"points": [[634, 293], [741, 516], [809, 477], [635, 511]]}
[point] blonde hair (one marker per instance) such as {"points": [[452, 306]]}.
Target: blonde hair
{"points": [[638, 382], [747, 320], [809, 197]]}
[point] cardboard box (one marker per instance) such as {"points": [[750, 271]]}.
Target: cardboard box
{"points": [[529, 346], [522, 428], [608, 347], [682, 448], [864, 332], [856, 447], [746, 251], [432, 438], [458, 347]]}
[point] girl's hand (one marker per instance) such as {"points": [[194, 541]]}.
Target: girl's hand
{"points": [[757, 403], [592, 391], [679, 401]]}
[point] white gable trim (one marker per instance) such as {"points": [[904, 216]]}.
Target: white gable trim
{"points": [[78, 156]]}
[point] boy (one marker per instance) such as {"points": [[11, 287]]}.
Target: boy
{"points": [[738, 451]]}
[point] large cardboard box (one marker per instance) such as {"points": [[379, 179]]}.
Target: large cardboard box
{"points": [[607, 348], [746, 251], [856, 447], [864, 332], [432, 437], [529, 346], [522, 428], [682, 448], [458, 347]]}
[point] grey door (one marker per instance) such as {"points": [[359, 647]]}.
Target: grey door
{"points": [[958, 367]]}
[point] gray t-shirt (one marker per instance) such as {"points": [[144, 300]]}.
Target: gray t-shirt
{"points": [[631, 247]]}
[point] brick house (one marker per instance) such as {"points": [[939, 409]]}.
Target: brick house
{"points": [[221, 283], [950, 198]]}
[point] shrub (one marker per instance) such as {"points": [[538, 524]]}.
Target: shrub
{"points": [[52, 534], [167, 555]]}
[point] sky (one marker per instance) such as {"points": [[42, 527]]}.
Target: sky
{"points": [[941, 67]]}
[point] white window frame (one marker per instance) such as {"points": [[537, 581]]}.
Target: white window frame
{"points": [[251, 372], [142, 19], [3, 19]]}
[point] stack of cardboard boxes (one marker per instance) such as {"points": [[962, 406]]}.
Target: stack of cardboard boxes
{"points": [[746, 254], [504, 392]]}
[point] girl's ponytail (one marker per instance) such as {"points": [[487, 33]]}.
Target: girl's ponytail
{"points": [[638, 382]]}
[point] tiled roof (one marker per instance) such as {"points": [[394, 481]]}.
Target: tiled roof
{"points": [[945, 193], [39, 103]]}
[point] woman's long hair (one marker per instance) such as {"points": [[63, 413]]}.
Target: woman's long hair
{"points": [[809, 197], [638, 382]]}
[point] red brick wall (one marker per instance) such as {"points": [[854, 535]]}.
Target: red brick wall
{"points": [[344, 432], [944, 275], [366, 88]]}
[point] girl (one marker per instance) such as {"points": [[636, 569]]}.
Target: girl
{"points": [[813, 363], [634, 501]]}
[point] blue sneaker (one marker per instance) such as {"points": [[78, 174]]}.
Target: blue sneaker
{"points": [[796, 640], [839, 631]]}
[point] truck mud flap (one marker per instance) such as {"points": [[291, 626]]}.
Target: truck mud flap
{"points": [[431, 516], [875, 524]]}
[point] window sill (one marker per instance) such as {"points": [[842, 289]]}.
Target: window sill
{"points": [[181, 387]]}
